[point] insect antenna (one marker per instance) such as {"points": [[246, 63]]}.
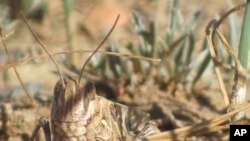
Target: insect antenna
{"points": [[97, 48], [43, 46]]}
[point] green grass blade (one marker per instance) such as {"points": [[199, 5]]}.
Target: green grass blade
{"points": [[245, 37], [68, 7], [114, 62], [172, 20], [233, 28], [204, 63], [190, 49]]}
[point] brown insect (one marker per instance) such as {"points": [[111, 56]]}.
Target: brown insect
{"points": [[79, 114]]}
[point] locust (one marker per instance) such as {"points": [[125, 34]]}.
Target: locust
{"points": [[79, 114]]}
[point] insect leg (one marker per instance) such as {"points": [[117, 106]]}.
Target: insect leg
{"points": [[44, 123]]}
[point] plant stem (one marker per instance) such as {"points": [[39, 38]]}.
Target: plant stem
{"points": [[239, 89], [70, 26]]}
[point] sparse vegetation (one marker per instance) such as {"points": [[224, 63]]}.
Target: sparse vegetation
{"points": [[157, 60]]}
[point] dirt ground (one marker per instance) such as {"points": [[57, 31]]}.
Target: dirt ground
{"points": [[172, 106]]}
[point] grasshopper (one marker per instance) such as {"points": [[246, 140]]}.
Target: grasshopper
{"points": [[79, 114]]}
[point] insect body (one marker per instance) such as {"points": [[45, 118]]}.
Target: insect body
{"points": [[79, 114]]}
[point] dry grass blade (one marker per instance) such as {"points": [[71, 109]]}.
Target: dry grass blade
{"points": [[131, 56], [203, 127], [236, 8], [15, 69], [215, 59], [20, 61], [42, 45], [239, 87], [214, 24], [229, 50]]}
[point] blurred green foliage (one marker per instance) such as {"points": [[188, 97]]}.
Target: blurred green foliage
{"points": [[32, 8], [176, 50]]}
